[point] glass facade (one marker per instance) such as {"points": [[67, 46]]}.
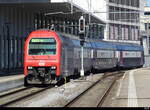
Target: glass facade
{"points": [[133, 3], [124, 16]]}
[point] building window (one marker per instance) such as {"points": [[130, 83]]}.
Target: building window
{"points": [[116, 14], [147, 13], [147, 25], [111, 15], [112, 1]]}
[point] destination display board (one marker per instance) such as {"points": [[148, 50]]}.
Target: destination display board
{"points": [[49, 40]]}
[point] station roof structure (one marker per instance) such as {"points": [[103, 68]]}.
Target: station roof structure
{"points": [[59, 9]]}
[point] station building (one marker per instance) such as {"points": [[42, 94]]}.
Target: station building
{"points": [[123, 20], [145, 29], [145, 33], [19, 17], [122, 17]]}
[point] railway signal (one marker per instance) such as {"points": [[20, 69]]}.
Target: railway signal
{"points": [[82, 40], [82, 30], [81, 25]]}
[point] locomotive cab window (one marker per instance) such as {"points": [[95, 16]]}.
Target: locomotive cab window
{"points": [[42, 46]]}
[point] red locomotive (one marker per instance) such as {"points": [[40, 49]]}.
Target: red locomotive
{"points": [[42, 56]]}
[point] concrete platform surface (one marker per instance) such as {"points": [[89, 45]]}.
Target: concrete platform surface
{"points": [[10, 78], [132, 90], [10, 82]]}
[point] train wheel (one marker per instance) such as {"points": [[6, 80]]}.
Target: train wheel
{"points": [[47, 79], [26, 82], [67, 79], [93, 70], [59, 81]]}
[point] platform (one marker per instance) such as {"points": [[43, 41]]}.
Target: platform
{"points": [[132, 90], [9, 82]]}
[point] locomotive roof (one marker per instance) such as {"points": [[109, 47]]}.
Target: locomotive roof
{"points": [[104, 44], [72, 40]]}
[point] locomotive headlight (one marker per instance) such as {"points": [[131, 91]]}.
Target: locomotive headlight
{"points": [[53, 67], [29, 67]]}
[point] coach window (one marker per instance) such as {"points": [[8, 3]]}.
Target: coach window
{"points": [[42, 46]]}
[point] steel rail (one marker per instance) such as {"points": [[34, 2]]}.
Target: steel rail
{"points": [[25, 96], [93, 85], [14, 92], [106, 93]]}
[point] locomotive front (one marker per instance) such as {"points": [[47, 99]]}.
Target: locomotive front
{"points": [[42, 57]]}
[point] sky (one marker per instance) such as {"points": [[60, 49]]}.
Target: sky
{"points": [[148, 2]]}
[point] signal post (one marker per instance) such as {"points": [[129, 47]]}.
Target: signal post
{"points": [[82, 40]]}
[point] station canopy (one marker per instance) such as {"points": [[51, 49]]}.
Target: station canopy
{"points": [[59, 9]]}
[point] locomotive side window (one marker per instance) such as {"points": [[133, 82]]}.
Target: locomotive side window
{"points": [[42, 46]]}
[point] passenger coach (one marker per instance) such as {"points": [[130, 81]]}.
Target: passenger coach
{"points": [[129, 55], [51, 56]]}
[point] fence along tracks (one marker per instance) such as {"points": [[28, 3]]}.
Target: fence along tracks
{"points": [[102, 96], [20, 94]]}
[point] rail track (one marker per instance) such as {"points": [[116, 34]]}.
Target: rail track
{"points": [[107, 91], [23, 93], [102, 96], [20, 94]]}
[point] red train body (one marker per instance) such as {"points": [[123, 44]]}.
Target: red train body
{"points": [[36, 60], [51, 56]]}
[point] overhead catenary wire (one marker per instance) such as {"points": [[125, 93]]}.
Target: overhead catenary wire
{"points": [[130, 12]]}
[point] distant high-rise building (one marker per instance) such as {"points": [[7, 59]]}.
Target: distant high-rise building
{"points": [[145, 29], [122, 17], [123, 20]]}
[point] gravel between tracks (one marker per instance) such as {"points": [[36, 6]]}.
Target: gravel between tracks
{"points": [[58, 97]]}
